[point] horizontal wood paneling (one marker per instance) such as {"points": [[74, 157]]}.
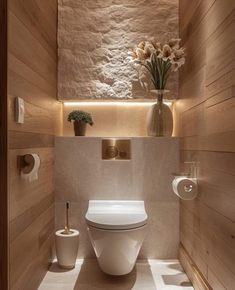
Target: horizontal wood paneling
{"points": [[37, 23], [32, 74], [36, 119], [22, 221], [22, 71], [206, 114], [26, 248], [39, 262], [194, 273], [4, 269], [24, 46], [221, 142], [24, 195], [21, 140]]}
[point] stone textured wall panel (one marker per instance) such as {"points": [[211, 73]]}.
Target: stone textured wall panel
{"points": [[94, 38]]}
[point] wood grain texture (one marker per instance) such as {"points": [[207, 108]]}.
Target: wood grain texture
{"points": [[194, 274], [3, 149], [32, 73], [206, 114]]}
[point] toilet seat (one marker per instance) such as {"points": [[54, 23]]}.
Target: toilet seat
{"points": [[116, 215]]}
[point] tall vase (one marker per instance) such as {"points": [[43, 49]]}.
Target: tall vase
{"points": [[159, 118]]}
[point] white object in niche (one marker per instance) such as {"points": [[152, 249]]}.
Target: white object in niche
{"points": [[19, 110], [117, 229]]}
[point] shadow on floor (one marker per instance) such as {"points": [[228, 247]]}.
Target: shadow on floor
{"points": [[176, 280], [180, 279], [55, 268], [175, 266], [92, 278]]}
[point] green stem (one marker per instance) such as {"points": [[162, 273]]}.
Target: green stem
{"points": [[159, 71]]}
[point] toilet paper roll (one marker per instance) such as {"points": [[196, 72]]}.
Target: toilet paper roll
{"points": [[30, 171], [185, 188]]}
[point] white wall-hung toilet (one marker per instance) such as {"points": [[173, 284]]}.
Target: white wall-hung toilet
{"points": [[117, 230]]}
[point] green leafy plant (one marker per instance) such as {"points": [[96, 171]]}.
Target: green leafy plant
{"points": [[81, 116]]}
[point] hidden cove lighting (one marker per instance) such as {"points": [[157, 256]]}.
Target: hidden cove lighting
{"points": [[113, 103]]}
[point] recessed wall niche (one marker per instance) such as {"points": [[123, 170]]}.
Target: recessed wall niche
{"points": [[94, 38]]}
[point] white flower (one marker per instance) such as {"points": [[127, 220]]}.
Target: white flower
{"points": [[166, 52], [141, 45], [158, 45], [150, 46], [140, 54], [178, 53], [174, 42], [171, 53], [175, 65]]}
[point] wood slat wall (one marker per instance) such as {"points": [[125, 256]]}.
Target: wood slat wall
{"points": [[206, 124], [3, 149], [32, 75]]}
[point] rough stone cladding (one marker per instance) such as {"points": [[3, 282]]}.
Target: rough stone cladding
{"points": [[94, 37]]}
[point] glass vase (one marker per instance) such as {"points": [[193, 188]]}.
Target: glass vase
{"points": [[159, 118]]}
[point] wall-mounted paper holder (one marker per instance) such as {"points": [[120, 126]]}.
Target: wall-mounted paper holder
{"points": [[185, 184], [28, 165], [192, 173]]}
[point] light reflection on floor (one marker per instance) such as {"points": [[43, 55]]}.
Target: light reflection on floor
{"points": [[147, 275]]}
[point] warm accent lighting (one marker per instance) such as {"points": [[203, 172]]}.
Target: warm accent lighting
{"points": [[113, 103]]}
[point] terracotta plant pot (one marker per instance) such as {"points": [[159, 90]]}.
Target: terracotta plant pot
{"points": [[79, 128]]}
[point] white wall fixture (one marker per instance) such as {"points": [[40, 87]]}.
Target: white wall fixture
{"points": [[19, 110], [185, 185], [29, 166]]}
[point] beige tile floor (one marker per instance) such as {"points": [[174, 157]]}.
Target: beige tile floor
{"points": [[147, 275]]}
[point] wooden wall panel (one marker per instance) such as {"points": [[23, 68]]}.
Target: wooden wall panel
{"points": [[3, 149], [206, 124], [32, 75]]}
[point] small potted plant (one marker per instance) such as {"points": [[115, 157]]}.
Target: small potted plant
{"points": [[80, 119]]}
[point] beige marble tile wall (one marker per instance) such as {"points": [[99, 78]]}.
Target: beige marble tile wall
{"points": [[81, 174]]}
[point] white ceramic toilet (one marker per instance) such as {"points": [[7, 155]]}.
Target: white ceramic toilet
{"points": [[117, 230]]}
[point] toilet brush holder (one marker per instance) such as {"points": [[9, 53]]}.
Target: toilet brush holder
{"points": [[66, 248], [66, 244]]}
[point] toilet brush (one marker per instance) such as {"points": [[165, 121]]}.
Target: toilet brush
{"points": [[67, 230], [66, 243]]}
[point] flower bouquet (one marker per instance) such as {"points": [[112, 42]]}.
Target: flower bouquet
{"points": [[159, 60]]}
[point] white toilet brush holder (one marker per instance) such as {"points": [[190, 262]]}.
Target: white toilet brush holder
{"points": [[66, 242], [66, 248]]}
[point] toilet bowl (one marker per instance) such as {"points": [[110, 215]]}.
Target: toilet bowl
{"points": [[117, 230]]}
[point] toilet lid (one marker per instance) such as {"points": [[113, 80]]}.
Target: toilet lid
{"points": [[116, 215]]}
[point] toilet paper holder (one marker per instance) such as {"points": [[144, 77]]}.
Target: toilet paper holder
{"points": [[185, 185], [192, 173], [25, 163], [28, 164]]}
